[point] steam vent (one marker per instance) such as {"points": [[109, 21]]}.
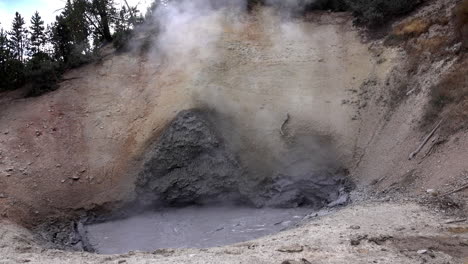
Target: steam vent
{"points": [[234, 131]]}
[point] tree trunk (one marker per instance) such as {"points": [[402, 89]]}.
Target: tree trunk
{"points": [[100, 6], [105, 26]]}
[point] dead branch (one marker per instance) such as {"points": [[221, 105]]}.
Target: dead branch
{"points": [[284, 124], [131, 13], [431, 149], [379, 180], [90, 20], [426, 139], [457, 190], [69, 79], [456, 221]]}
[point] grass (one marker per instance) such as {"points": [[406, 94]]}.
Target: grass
{"points": [[412, 28], [448, 98]]}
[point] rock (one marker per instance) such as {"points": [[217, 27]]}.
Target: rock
{"points": [[188, 164], [455, 48], [23, 249], [422, 251], [76, 178], [291, 249], [381, 60], [121, 261], [301, 261], [355, 227], [357, 240], [343, 199], [312, 188], [379, 240], [9, 170], [164, 252], [2, 196]]}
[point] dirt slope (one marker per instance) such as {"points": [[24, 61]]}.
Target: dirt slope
{"points": [[396, 121]]}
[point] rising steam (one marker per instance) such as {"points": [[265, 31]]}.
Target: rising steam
{"points": [[215, 46]]}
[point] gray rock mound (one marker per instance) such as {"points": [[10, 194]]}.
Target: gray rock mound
{"points": [[190, 165], [316, 189]]}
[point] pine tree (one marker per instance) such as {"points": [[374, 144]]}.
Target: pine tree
{"points": [[61, 39], [70, 33], [11, 69], [38, 37], [40, 56], [4, 47], [4, 57], [128, 18], [75, 15], [103, 14], [18, 37], [49, 33]]}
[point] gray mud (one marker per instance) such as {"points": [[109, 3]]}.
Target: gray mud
{"points": [[190, 227], [188, 165], [191, 164]]}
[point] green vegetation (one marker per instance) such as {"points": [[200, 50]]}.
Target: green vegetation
{"points": [[376, 12], [372, 13], [39, 54]]}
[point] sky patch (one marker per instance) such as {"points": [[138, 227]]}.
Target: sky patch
{"points": [[48, 9]]}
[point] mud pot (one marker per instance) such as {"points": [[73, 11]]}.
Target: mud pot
{"points": [[190, 227], [193, 191]]}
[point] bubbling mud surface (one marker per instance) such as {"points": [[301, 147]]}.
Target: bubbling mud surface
{"points": [[191, 227]]}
